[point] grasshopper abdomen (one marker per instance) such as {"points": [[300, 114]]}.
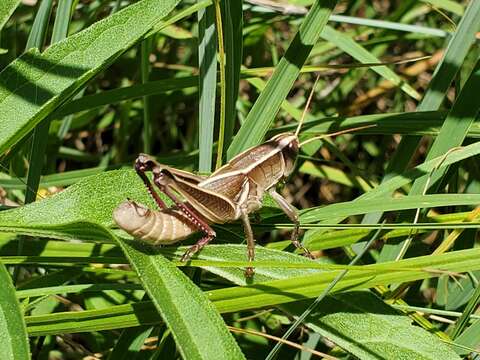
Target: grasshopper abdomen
{"points": [[163, 227]]}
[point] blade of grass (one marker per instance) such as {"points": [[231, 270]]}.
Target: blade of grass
{"points": [[13, 339], [392, 25], [145, 49], [60, 32], [36, 40], [469, 310], [358, 52], [268, 103], [223, 84], [448, 5], [232, 12], [207, 85], [130, 342]]}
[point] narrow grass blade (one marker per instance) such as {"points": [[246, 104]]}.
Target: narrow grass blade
{"points": [[448, 5], [198, 329], [469, 338], [223, 82], [13, 339], [268, 103], [41, 82], [207, 85], [232, 14], [130, 343], [147, 131], [382, 24], [40, 133], [60, 32], [7, 7], [62, 20], [463, 320], [36, 37], [455, 128], [308, 311], [126, 93], [358, 52], [249, 297]]}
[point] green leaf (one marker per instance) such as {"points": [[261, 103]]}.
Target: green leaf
{"points": [[92, 199], [261, 116], [7, 7], [35, 84], [13, 332], [380, 332], [198, 329], [232, 17], [207, 85]]}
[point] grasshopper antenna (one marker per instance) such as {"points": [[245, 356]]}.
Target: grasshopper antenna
{"points": [[307, 106], [347, 131]]}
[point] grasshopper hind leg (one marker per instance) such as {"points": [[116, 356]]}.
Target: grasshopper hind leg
{"points": [[197, 247], [290, 211]]}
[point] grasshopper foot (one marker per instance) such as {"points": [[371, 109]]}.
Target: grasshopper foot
{"points": [[249, 272], [196, 248]]}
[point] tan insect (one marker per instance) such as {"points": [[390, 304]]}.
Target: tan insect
{"points": [[230, 193]]}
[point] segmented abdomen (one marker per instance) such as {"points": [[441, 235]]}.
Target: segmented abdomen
{"points": [[161, 227]]}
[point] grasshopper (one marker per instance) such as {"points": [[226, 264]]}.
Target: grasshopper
{"points": [[230, 193]]}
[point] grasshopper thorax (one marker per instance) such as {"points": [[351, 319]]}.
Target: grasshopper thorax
{"points": [[288, 144]]}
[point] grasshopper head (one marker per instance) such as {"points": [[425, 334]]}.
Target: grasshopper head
{"points": [[130, 215], [289, 144]]}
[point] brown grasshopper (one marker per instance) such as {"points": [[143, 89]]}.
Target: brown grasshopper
{"points": [[230, 193]]}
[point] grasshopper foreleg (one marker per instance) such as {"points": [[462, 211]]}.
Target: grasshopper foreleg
{"points": [[142, 164], [162, 179], [290, 211]]}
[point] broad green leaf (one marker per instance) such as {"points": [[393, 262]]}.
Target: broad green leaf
{"points": [[378, 330], [13, 333], [198, 329], [92, 199], [7, 7], [35, 84], [263, 113]]}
